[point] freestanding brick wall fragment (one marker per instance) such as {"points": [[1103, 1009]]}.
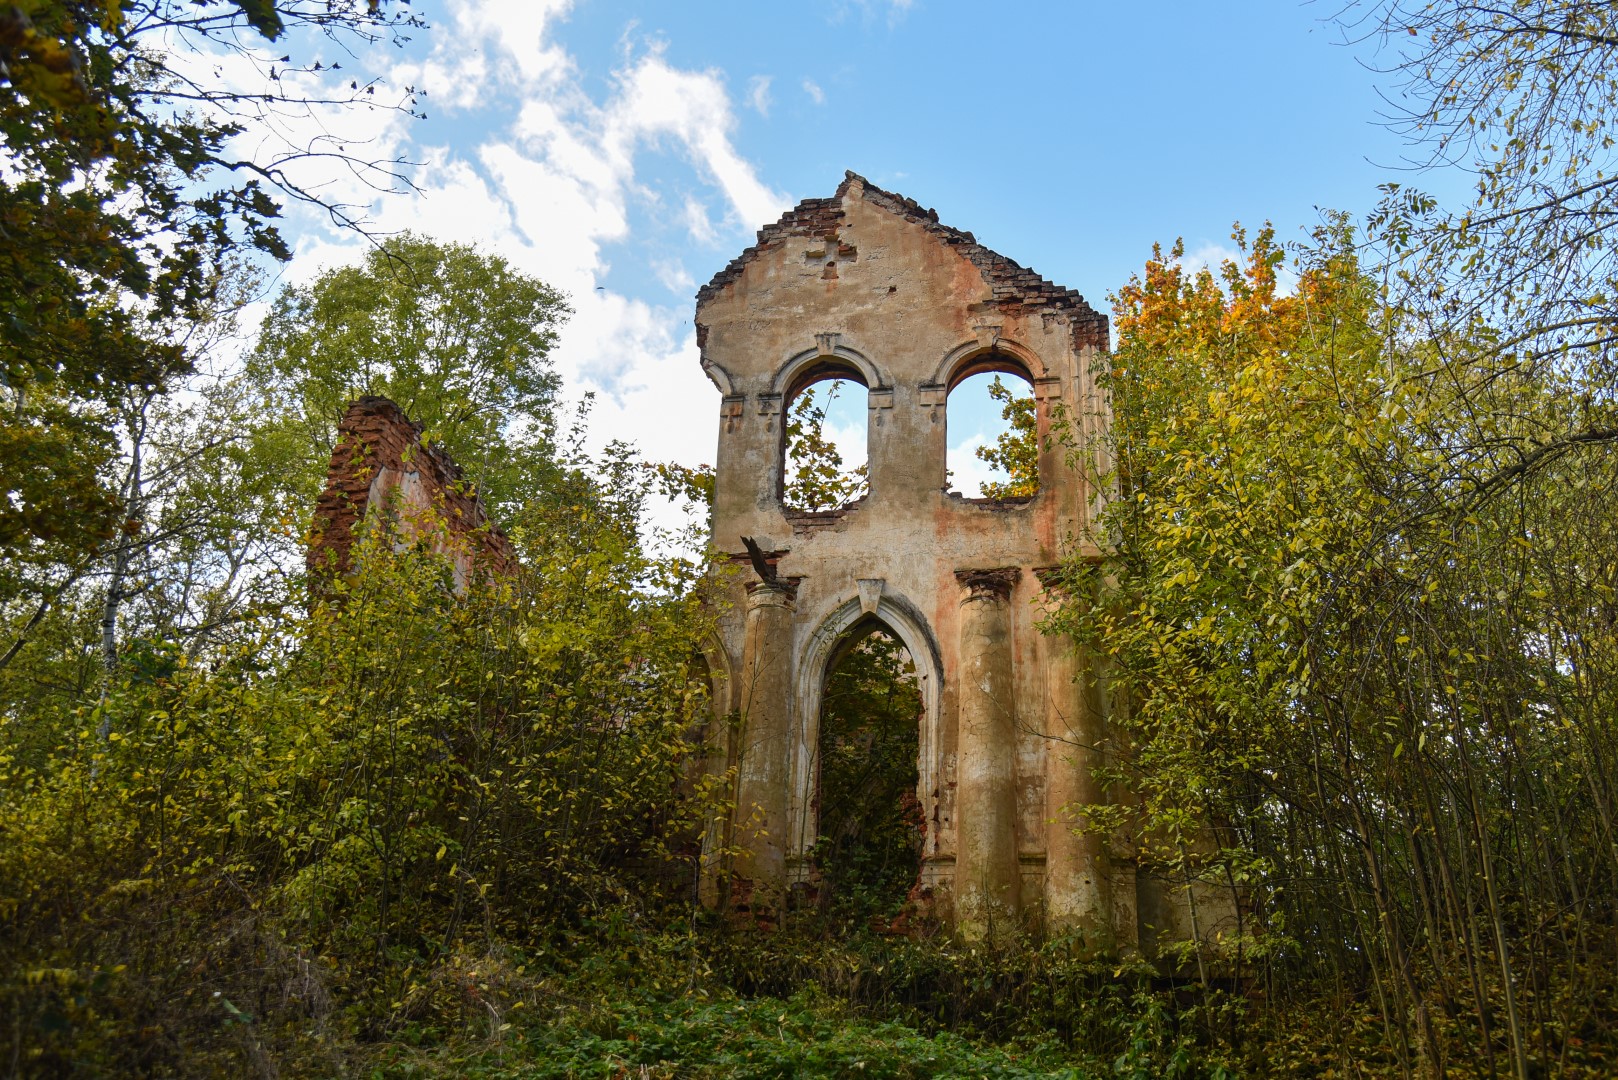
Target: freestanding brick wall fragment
{"points": [[380, 466]]}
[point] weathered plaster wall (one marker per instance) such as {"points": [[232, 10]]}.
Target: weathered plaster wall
{"points": [[379, 464], [868, 285]]}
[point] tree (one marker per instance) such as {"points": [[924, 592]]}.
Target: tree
{"points": [[124, 198], [161, 482], [1016, 452], [457, 337], [1384, 727], [1524, 95], [816, 479], [216, 486], [393, 783], [55, 505], [213, 488]]}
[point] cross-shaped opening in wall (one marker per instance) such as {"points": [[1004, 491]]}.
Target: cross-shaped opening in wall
{"points": [[829, 254]]}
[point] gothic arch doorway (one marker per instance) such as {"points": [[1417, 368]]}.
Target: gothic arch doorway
{"points": [[869, 822], [848, 628]]}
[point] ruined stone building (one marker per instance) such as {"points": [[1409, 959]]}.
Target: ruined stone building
{"points": [[868, 286]]}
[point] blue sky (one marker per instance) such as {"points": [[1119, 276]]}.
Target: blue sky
{"points": [[626, 150]]}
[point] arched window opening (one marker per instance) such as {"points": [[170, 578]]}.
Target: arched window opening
{"points": [[871, 826], [825, 432], [993, 444]]}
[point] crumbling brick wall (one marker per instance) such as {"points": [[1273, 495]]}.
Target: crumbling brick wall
{"points": [[380, 464]]}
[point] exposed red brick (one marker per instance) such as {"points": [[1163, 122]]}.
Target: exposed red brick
{"points": [[378, 448], [1012, 286]]}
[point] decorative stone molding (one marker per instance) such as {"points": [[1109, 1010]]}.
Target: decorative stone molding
{"points": [[987, 331], [1003, 353], [994, 584], [719, 376], [779, 593], [827, 350]]}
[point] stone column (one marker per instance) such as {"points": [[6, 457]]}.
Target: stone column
{"points": [[987, 881], [1078, 893], [758, 882]]}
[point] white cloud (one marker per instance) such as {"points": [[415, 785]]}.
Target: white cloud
{"points": [[1214, 256], [459, 73], [758, 94], [696, 221], [554, 184], [816, 94], [673, 275], [659, 406], [868, 10], [1209, 255], [850, 439], [656, 99], [968, 471]]}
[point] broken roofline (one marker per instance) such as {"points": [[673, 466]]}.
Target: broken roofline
{"points": [[1011, 284]]}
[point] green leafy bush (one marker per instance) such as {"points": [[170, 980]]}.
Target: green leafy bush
{"points": [[319, 825]]}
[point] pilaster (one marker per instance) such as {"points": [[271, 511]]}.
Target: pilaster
{"points": [[1078, 874], [987, 873], [758, 881]]}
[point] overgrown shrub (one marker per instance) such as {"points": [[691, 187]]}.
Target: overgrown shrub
{"points": [[321, 826]]}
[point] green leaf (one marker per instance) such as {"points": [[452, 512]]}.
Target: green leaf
{"points": [[262, 16]]}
